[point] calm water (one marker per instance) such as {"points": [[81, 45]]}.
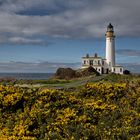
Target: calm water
{"points": [[26, 76]]}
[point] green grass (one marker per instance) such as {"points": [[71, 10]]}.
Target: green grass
{"points": [[77, 82]]}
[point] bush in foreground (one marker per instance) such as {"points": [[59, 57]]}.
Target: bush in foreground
{"points": [[97, 111]]}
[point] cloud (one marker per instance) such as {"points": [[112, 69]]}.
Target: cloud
{"points": [[132, 67], [24, 41], [128, 52], [45, 67], [51, 67], [47, 5], [24, 22], [68, 19]]}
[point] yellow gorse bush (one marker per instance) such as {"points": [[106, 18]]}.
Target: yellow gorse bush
{"points": [[95, 111], [10, 95]]}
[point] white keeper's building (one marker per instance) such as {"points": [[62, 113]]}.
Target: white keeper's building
{"points": [[107, 65]]}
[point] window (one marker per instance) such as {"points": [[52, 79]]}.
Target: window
{"points": [[120, 69], [114, 69], [84, 61], [103, 63], [98, 62], [91, 62]]}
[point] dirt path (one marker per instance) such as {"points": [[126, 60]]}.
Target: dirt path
{"points": [[77, 83], [73, 83]]}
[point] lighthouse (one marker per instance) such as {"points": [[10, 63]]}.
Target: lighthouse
{"points": [[107, 65], [110, 46]]}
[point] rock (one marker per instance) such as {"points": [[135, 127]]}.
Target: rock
{"points": [[87, 72], [65, 73], [68, 73], [127, 72]]}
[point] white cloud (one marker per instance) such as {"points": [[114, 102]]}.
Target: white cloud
{"points": [[21, 40], [47, 67], [34, 67], [68, 19], [128, 52]]}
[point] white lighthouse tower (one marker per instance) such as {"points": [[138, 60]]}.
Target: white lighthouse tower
{"points": [[110, 46]]}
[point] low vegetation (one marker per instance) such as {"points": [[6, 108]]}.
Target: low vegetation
{"points": [[102, 110]]}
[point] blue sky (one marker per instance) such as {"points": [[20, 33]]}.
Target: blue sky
{"points": [[42, 35]]}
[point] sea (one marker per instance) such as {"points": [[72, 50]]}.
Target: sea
{"points": [[26, 76]]}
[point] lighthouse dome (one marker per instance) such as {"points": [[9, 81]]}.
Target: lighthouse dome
{"points": [[110, 27]]}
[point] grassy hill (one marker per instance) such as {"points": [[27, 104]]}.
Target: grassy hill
{"points": [[106, 107]]}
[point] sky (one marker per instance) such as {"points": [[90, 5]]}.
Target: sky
{"points": [[42, 35]]}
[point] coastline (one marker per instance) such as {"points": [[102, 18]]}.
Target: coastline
{"points": [[26, 76]]}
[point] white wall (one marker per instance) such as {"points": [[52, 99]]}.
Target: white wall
{"points": [[110, 51], [117, 70]]}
